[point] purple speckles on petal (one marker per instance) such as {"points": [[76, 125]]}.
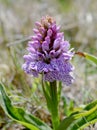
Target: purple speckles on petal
{"points": [[52, 54], [49, 53], [40, 56]]}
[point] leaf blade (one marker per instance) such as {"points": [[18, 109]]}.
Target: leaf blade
{"points": [[19, 115], [81, 119], [91, 57]]}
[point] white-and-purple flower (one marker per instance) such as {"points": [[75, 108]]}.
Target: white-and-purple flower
{"points": [[49, 53]]}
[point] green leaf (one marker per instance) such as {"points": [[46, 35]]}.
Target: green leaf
{"points": [[19, 115], [87, 56], [80, 119], [91, 57]]}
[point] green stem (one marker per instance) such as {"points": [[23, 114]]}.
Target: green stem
{"points": [[52, 92], [54, 104]]}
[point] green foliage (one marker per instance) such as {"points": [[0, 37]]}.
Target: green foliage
{"points": [[90, 57], [19, 115], [80, 119], [52, 95], [68, 106]]}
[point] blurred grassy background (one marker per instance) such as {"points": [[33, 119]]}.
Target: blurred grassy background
{"points": [[78, 20]]}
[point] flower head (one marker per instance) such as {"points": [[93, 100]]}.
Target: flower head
{"points": [[49, 53]]}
